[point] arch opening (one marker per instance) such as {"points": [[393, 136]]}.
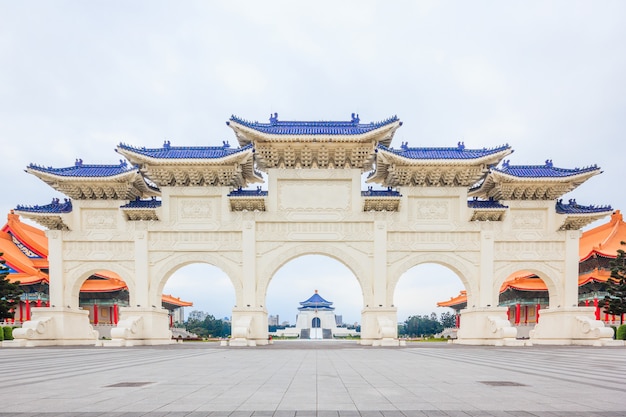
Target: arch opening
{"points": [[314, 296], [200, 298], [421, 295], [524, 293]]}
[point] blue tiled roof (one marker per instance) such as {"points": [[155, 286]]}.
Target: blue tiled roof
{"points": [[279, 127], [316, 301], [186, 152], [151, 203], [542, 171], [460, 152], [485, 204], [380, 193], [83, 170], [574, 208], [248, 193], [55, 207]]}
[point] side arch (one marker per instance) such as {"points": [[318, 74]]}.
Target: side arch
{"points": [[467, 272], [83, 271], [337, 252], [166, 268], [543, 270]]}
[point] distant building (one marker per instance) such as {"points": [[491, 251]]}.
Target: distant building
{"points": [[338, 320], [273, 320], [198, 315], [316, 320]]}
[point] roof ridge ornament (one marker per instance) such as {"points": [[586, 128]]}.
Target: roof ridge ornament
{"points": [[461, 145], [274, 118], [549, 163], [355, 118], [167, 144], [78, 162]]}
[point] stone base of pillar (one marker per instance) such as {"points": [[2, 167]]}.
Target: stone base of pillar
{"points": [[249, 327], [55, 326], [572, 326], [487, 326], [379, 326], [141, 326]]}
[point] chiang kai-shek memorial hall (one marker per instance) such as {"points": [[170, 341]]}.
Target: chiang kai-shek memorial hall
{"points": [[162, 208]]}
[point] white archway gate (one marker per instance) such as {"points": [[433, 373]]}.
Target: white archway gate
{"points": [[177, 205]]}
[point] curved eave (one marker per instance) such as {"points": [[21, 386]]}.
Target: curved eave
{"points": [[246, 135], [26, 279], [576, 221], [35, 239], [491, 159], [52, 221], [138, 158], [52, 178], [577, 178], [174, 301]]}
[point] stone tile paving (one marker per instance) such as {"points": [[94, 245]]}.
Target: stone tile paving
{"points": [[297, 379]]}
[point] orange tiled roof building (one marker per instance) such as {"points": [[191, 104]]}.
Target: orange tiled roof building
{"points": [[525, 294], [24, 248]]}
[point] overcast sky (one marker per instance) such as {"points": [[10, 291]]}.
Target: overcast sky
{"points": [[77, 78]]}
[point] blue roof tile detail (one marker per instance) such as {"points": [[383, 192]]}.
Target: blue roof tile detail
{"points": [[83, 170], [316, 302], [248, 193], [542, 171], [186, 152], [279, 127], [574, 208], [380, 193], [55, 207], [460, 152], [143, 204], [485, 204]]}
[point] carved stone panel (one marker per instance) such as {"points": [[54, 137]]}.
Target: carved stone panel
{"points": [[529, 220], [314, 231], [312, 195], [103, 250], [437, 210], [99, 219], [189, 240], [194, 209], [529, 250]]}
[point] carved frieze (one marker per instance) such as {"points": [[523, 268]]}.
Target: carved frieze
{"points": [[314, 231], [193, 240], [431, 209], [433, 241], [98, 250], [530, 250], [194, 209]]}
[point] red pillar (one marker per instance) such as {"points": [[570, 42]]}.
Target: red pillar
{"points": [[537, 313], [27, 310], [21, 311], [517, 313], [586, 303], [597, 306], [38, 302], [458, 320], [115, 313], [47, 303], [171, 320], [526, 314], [95, 314]]}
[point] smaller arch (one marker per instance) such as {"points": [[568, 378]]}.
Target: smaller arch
{"points": [[543, 270], [82, 272], [467, 273], [163, 274], [316, 323]]}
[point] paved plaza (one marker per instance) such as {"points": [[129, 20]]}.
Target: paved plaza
{"points": [[293, 379]]}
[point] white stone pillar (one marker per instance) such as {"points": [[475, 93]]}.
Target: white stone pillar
{"points": [[56, 287], [141, 296]]}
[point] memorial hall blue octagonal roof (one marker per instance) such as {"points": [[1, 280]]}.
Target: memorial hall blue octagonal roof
{"points": [[460, 152], [279, 127], [316, 302], [186, 152]]}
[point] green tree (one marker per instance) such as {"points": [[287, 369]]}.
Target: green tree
{"points": [[422, 325], [615, 301], [9, 293], [209, 327], [447, 320]]}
